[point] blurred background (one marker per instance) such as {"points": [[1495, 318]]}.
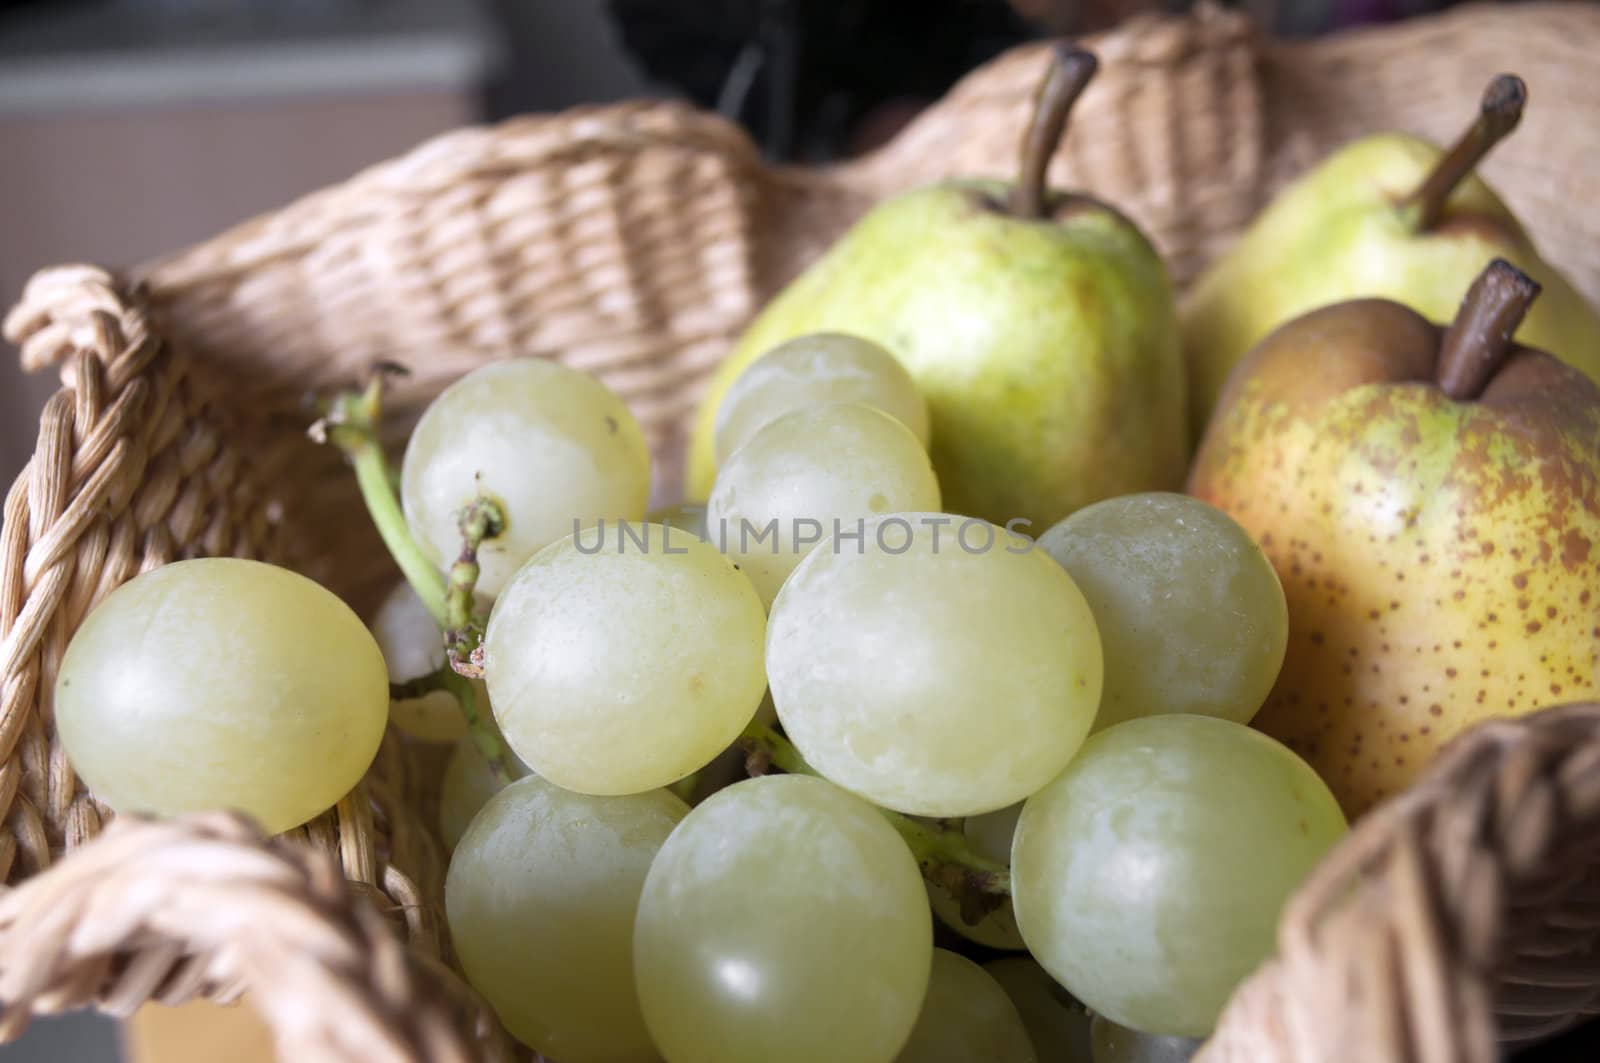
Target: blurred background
{"points": [[132, 128], [135, 127]]}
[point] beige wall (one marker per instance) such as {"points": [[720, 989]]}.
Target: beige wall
{"points": [[117, 187]]}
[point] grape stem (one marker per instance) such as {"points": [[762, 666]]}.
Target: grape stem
{"points": [[459, 687], [941, 851], [350, 422], [482, 520], [685, 787]]}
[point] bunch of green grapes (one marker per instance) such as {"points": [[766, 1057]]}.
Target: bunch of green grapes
{"points": [[943, 715]]}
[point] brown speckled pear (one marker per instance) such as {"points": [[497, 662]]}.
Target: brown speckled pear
{"points": [[1431, 500]]}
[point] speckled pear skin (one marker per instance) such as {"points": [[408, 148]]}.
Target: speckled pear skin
{"points": [[1441, 559], [1048, 350], [1335, 235]]}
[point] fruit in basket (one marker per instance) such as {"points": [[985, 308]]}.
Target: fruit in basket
{"points": [[812, 370], [1389, 215], [989, 836], [783, 920], [684, 516], [551, 445], [222, 683], [468, 783], [1191, 615], [1040, 326], [1057, 1024], [1431, 500], [1148, 877], [540, 897], [1118, 1044], [624, 657], [413, 647], [966, 1017], [935, 665], [808, 473]]}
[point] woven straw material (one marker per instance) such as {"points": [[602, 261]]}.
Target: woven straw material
{"points": [[634, 242], [161, 911]]}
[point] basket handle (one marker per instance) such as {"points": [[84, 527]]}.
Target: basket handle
{"points": [[205, 906]]}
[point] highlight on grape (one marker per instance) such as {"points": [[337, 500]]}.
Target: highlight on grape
{"points": [[892, 534]]}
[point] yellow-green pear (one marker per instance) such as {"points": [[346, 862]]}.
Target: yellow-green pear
{"points": [[1430, 498], [1390, 216], [1040, 326]]}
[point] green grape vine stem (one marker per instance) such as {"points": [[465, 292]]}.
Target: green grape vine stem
{"points": [[941, 851], [479, 522], [350, 422], [460, 688]]}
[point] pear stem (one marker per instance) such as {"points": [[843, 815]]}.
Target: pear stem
{"points": [[1071, 67], [1479, 339], [1498, 115]]}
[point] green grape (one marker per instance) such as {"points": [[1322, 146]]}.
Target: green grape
{"points": [[782, 921], [966, 1017], [467, 786], [1116, 1044], [624, 658], [806, 473], [540, 897], [222, 683], [684, 516], [413, 646], [937, 665], [550, 444], [809, 371], [989, 836], [1148, 878], [1057, 1024], [1191, 614]]}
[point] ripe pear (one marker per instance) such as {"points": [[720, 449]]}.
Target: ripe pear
{"points": [[1431, 500], [1389, 215], [1040, 326]]}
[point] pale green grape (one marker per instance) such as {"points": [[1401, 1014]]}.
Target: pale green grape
{"points": [[467, 786], [1117, 1044], [684, 516], [782, 921], [1148, 878], [809, 371], [222, 683], [799, 478], [413, 646], [1057, 1024], [938, 665], [550, 444], [966, 1017], [989, 836], [1191, 614], [624, 658], [540, 897]]}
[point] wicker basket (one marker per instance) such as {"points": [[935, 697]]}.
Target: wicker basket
{"points": [[633, 242]]}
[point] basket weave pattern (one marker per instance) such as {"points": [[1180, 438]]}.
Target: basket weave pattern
{"points": [[634, 242]]}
